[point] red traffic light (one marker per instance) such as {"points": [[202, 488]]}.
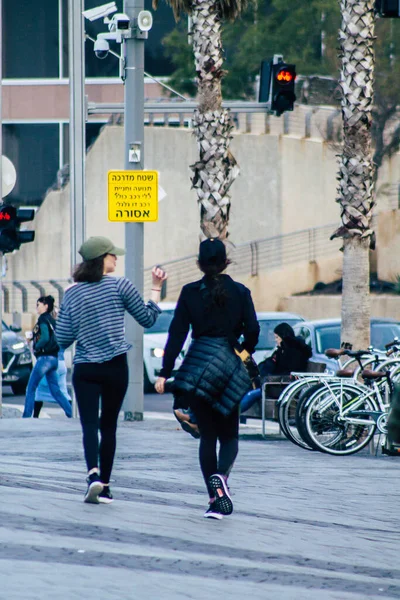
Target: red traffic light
{"points": [[285, 76], [7, 214]]}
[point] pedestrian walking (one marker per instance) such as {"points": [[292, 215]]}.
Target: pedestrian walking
{"points": [[43, 393], [212, 379], [45, 349], [92, 315]]}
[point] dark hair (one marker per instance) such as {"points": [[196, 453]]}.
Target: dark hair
{"points": [[215, 285], [90, 270], [49, 301], [284, 330]]}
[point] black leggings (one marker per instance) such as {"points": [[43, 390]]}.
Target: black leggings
{"points": [[108, 380], [214, 426]]}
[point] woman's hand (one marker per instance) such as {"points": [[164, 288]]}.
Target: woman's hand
{"points": [[158, 276], [160, 385]]}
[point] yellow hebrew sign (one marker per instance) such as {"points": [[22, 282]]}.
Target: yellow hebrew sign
{"points": [[132, 196]]}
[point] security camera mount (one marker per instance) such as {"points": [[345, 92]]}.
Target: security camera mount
{"points": [[100, 12]]}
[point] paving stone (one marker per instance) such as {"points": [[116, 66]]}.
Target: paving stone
{"points": [[306, 526]]}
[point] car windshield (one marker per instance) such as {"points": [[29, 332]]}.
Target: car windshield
{"points": [[162, 324], [266, 341], [381, 334], [327, 337]]}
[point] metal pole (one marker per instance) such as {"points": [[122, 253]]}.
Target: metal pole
{"points": [[77, 137], [1, 185], [134, 132], [77, 124]]}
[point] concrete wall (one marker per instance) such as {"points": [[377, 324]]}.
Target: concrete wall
{"points": [[287, 183], [269, 287], [327, 307], [388, 255]]}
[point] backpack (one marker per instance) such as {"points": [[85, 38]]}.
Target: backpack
{"points": [[52, 346]]}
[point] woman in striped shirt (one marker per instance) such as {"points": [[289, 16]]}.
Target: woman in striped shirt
{"points": [[92, 315]]}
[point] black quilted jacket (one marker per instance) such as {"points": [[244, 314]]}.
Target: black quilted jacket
{"points": [[213, 372]]}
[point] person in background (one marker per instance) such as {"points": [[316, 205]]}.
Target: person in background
{"points": [[291, 354], [43, 393], [212, 378], [92, 314], [45, 349]]}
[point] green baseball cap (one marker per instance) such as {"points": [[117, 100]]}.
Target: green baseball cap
{"points": [[97, 246]]}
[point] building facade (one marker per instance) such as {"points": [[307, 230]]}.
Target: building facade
{"points": [[36, 87]]}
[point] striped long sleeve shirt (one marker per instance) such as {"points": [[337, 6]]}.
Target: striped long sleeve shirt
{"points": [[92, 315]]}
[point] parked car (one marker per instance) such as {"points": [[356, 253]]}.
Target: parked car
{"points": [[156, 336], [17, 359], [324, 334], [268, 321], [154, 340]]}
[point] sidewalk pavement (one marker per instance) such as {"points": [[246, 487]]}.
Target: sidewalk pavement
{"points": [[306, 526]]}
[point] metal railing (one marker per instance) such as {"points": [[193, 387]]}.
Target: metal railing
{"points": [[306, 121], [256, 257], [21, 296], [248, 259]]}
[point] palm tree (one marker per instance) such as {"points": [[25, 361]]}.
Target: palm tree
{"points": [[216, 169], [356, 168]]}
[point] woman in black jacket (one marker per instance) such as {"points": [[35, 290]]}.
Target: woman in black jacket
{"points": [[45, 348], [212, 379], [292, 353]]}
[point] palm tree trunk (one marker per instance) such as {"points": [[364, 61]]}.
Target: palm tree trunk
{"points": [[216, 169], [356, 169]]}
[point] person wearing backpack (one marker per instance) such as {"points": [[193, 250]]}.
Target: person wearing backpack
{"points": [[45, 349]]}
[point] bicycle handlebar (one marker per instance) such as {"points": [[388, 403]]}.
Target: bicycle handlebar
{"points": [[393, 343]]}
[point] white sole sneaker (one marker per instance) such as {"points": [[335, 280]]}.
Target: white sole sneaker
{"points": [[93, 491], [105, 500], [210, 514]]}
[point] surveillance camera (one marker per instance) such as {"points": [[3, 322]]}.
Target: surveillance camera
{"points": [[119, 22], [101, 48], [145, 20], [100, 11]]}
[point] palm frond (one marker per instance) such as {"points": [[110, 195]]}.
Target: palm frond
{"points": [[178, 7]]}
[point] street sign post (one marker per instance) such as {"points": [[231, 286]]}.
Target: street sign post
{"points": [[132, 196]]}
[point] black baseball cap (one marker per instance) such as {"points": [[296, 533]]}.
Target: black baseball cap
{"points": [[212, 252]]}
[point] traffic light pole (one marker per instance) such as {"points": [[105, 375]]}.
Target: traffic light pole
{"points": [[134, 232], [1, 185], [77, 124], [77, 137]]}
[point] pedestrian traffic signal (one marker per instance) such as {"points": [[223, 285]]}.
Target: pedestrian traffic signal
{"points": [[277, 85], [282, 95], [11, 218], [388, 8]]}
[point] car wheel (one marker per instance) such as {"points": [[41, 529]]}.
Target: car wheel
{"points": [[148, 387], [19, 388]]}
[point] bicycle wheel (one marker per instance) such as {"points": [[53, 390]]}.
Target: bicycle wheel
{"points": [[331, 425], [328, 390], [287, 413]]}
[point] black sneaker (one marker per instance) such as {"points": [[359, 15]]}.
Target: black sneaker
{"points": [[106, 497], [223, 500], [95, 487], [213, 513]]}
